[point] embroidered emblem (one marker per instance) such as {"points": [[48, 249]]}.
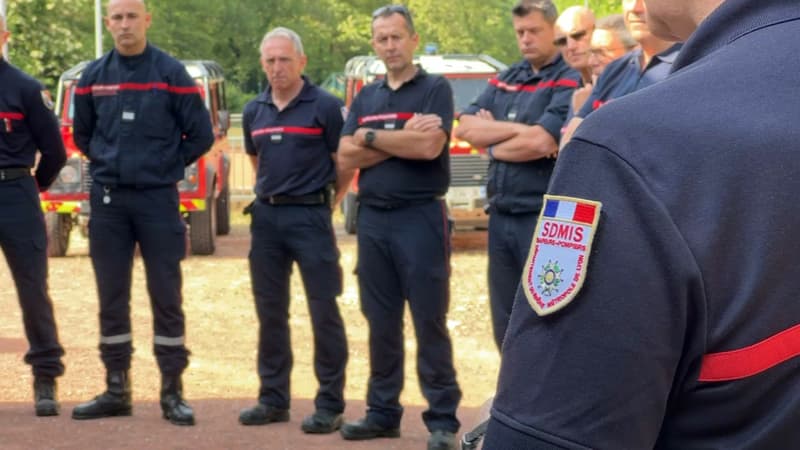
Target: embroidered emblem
{"points": [[559, 254], [47, 100]]}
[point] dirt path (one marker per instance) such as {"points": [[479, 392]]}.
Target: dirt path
{"points": [[221, 379]]}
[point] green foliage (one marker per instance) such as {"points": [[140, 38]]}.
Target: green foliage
{"points": [[50, 36], [237, 98], [43, 43]]}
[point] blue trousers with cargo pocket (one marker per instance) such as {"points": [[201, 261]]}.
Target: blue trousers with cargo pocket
{"points": [[24, 242], [404, 254], [122, 217], [282, 235]]}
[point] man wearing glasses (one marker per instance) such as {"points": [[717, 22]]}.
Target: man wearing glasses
{"points": [[646, 66], [610, 40], [396, 133], [518, 119], [574, 29]]}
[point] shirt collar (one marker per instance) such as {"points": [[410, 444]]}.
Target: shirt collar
{"points": [[306, 93], [730, 21], [384, 82]]}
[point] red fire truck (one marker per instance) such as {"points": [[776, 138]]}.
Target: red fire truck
{"points": [[468, 75], [204, 191]]}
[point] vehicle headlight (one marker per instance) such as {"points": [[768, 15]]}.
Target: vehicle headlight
{"points": [[69, 175]]}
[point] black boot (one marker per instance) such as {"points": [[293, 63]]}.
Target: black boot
{"points": [[115, 401], [44, 395], [175, 409]]}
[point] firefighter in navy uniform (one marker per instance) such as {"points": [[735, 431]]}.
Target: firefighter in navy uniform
{"points": [[518, 118], [292, 134], [27, 123], [397, 132], [660, 303], [140, 120]]}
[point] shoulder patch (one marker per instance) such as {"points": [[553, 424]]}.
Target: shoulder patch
{"points": [[47, 100], [559, 254]]}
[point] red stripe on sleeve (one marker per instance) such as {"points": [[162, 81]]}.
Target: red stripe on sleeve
{"points": [[11, 116], [752, 360]]}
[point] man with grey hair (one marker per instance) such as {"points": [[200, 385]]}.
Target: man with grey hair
{"points": [[140, 121], [28, 126], [610, 40], [291, 132], [518, 119]]}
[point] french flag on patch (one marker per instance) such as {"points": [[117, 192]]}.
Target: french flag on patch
{"points": [[569, 210]]}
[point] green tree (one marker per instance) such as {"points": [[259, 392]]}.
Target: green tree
{"points": [[49, 36]]}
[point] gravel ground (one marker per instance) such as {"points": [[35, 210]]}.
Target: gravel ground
{"points": [[221, 332]]}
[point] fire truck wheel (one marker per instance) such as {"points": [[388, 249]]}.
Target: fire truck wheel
{"points": [[350, 211], [224, 212], [58, 227], [202, 227]]}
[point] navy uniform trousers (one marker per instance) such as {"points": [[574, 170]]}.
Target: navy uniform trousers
{"points": [[404, 253], [281, 235], [509, 242], [24, 243], [150, 217]]}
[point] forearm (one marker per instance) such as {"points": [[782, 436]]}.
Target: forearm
{"points": [[483, 133], [410, 144], [534, 143], [353, 156], [569, 130], [343, 180], [194, 146]]}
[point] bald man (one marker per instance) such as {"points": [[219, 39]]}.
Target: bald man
{"points": [[140, 120], [573, 32], [663, 312]]}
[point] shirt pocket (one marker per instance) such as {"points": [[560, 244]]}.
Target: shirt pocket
{"points": [[155, 112], [14, 134]]}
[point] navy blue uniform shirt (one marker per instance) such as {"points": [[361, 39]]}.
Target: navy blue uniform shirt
{"points": [[377, 106], [294, 146], [624, 75], [140, 120], [686, 332], [520, 95], [27, 124]]}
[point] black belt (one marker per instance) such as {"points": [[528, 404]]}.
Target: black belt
{"points": [[309, 199], [397, 204], [12, 173]]}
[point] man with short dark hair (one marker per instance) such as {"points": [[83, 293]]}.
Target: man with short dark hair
{"points": [[27, 124], [291, 132], [396, 132], [518, 119], [659, 306], [140, 120]]}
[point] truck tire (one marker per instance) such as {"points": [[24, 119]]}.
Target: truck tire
{"points": [[350, 211], [58, 227], [224, 212], [202, 227]]}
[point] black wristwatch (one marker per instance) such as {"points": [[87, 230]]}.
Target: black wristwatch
{"points": [[369, 137]]}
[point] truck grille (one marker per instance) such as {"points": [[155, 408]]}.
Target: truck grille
{"points": [[468, 170]]}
